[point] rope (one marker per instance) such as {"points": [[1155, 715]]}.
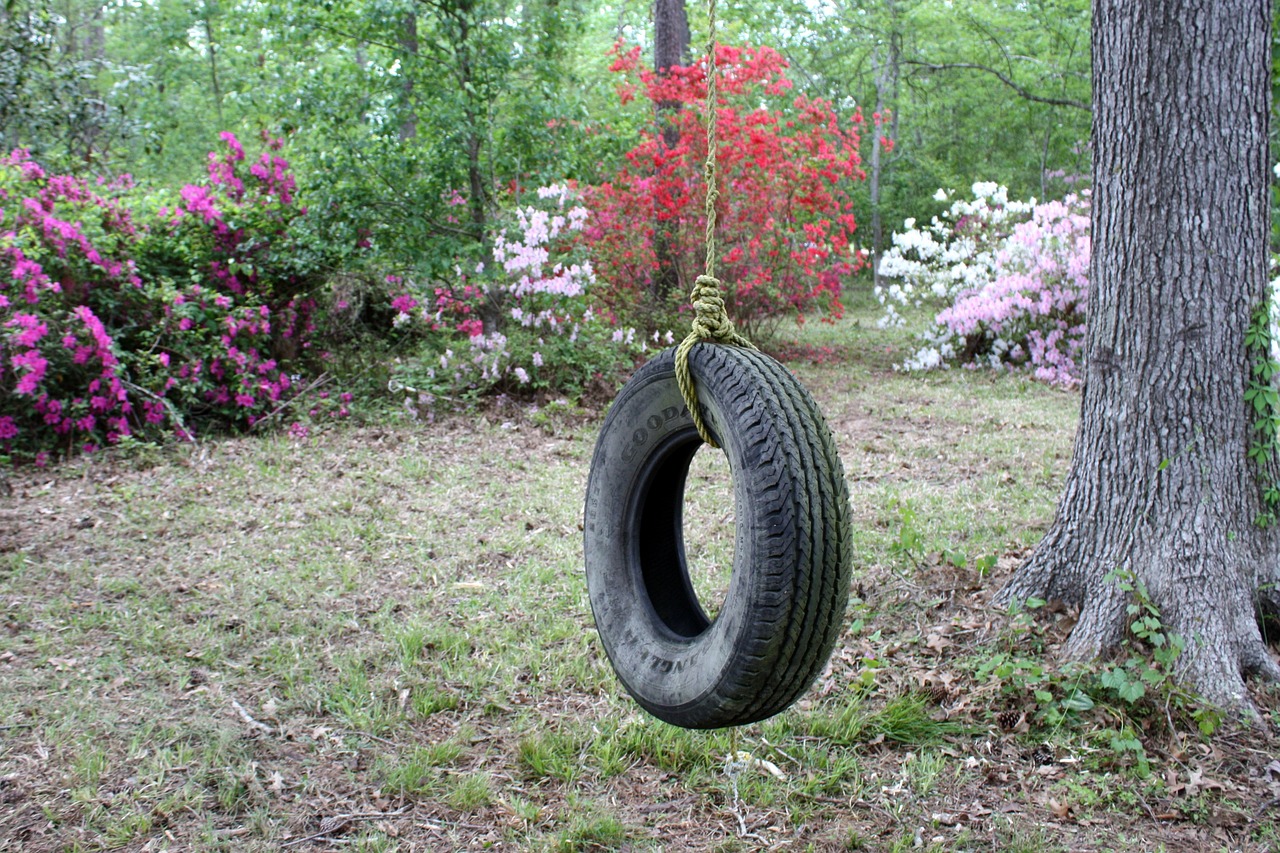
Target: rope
{"points": [[711, 323]]}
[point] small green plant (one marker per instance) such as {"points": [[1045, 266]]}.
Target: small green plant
{"points": [[469, 793], [1263, 396], [1130, 678], [422, 770], [1021, 635], [959, 559], [1016, 674], [1126, 742], [551, 755], [984, 565], [910, 540], [904, 719], [593, 832]]}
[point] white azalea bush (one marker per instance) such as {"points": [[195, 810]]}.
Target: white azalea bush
{"points": [[1008, 279], [526, 322]]}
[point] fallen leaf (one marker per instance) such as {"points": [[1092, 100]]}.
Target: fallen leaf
{"points": [[746, 759], [1199, 782]]}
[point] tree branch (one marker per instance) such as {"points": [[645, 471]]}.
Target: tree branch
{"points": [[1003, 78]]}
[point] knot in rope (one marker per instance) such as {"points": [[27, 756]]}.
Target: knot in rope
{"points": [[710, 320], [711, 324]]}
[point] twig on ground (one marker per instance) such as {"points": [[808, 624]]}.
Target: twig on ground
{"points": [[780, 752], [244, 715], [333, 823], [168, 404], [359, 733], [1150, 811], [1269, 804], [438, 824], [320, 381], [17, 726]]}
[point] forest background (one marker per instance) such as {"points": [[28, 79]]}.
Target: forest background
{"points": [[264, 213]]}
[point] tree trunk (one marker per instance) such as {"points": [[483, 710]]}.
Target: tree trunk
{"points": [[215, 87], [886, 81], [462, 28], [670, 49], [1159, 485], [873, 188], [408, 39]]}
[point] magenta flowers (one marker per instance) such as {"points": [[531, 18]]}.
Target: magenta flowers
{"points": [[123, 316]]}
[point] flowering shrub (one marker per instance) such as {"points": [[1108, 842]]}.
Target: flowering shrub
{"points": [[544, 331], [122, 316], [1010, 279], [784, 220]]}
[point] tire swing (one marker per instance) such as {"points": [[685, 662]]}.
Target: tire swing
{"points": [[790, 583]]}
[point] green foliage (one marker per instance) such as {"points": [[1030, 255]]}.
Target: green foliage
{"points": [[589, 831], [1137, 689], [909, 542], [400, 104], [1143, 681], [1263, 399], [419, 106], [904, 719], [525, 320], [49, 100], [132, 315], [1125, 744], [936, 68]]}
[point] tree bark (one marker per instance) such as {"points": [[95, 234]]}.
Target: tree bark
{"points": [[212, 45], [670, 50], [886, 82], [1159, 485], [408, 39]]}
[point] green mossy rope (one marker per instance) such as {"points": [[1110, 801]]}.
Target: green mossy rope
{"points": [[711, 323]]}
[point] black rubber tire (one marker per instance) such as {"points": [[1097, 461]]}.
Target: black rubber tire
{"points": [[786, 600]]}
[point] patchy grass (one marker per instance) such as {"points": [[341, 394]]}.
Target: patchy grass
{"points": [[380, 638]]}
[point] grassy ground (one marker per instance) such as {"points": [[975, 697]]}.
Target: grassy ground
{"points": [[379, 639]]}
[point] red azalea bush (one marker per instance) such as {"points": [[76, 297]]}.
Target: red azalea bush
{"points": [[784, 222], [122, 316]]}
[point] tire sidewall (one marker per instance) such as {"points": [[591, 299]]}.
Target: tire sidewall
{"points": [[668, 674]]}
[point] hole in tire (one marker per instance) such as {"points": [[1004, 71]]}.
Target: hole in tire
{"points": [[709, 527]]}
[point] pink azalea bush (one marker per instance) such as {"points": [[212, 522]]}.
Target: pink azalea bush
{"points": [[528, 320], [123, 315], [1009, 281]]}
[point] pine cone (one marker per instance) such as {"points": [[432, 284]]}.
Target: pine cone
{"points": [[937, 693], [1009, 720], [1042, 755], [333, 823]]}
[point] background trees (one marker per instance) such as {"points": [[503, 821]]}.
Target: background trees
{"points": [[419, 133], [985, 90], [382, 96]]}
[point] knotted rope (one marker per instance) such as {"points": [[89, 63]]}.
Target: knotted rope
{"points": [[711, 323]]}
